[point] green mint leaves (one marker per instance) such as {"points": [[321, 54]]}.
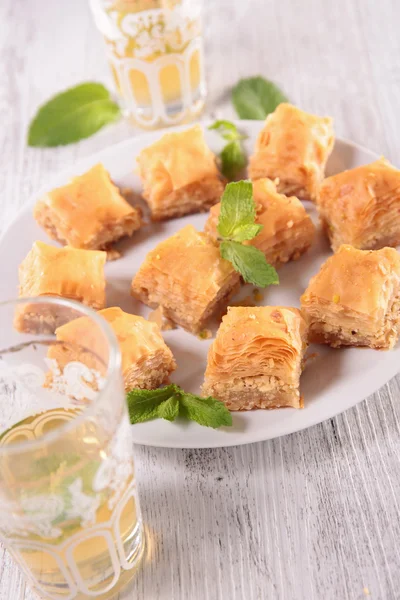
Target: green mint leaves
{"points": [[250, 263], [171, 401], [235, 225], [208, 412], [73, 115], [238, 210], [144, 405], [227, 129], [232, 156], [256, 97]]}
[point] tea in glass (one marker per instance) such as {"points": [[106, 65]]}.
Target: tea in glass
{"points": [[155, 50], [70, 513]]}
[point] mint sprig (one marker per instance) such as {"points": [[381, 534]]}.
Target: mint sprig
{"points": [[250, 263], [256, 97], [233, 158], [72, 115], [171, 401], [236, 224]]}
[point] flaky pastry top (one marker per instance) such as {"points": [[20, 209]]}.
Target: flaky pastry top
{"points": [[137, 337], [176, 160], [292, 136], [257, 341], [358, 280], [189, 263], [353, 199], [87, 204], [66, 272]]}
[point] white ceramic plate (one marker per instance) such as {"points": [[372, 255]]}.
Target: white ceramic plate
{"points": [[333, 382]]}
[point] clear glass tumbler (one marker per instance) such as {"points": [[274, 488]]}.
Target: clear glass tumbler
{"points": [[155, 50], [69, 511]]}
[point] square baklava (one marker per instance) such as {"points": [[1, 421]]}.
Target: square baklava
{"points": [[293, 147], [88, 213], [179, 175], [186, 275], [147, 361], [361, 206], [354, 300], [256, 358], [65, 272]]}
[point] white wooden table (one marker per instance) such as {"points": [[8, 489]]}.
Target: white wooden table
{"points": [[314, 515]]}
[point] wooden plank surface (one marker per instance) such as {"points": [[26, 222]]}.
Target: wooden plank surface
{"points": [[311, 516]]}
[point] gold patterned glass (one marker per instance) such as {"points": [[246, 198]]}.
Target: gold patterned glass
{"points": [[155, 50], [69, 510]]}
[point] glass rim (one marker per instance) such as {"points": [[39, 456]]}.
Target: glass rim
{"points": [[113, 366]]}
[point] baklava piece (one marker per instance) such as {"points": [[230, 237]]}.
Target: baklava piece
{"points": [[256, 359], [186, 275], [87, 213], [147, 361], [294, 147], [361, 206], [354, 300], [287, 230], [179, 175], [65, 272]]}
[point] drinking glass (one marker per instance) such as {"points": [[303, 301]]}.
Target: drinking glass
{"points": [[69, 510], [155, 50]]}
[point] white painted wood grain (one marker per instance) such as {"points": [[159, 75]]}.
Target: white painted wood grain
{"points": [[312, 516]]}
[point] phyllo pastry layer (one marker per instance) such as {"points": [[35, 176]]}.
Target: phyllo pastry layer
{"points": [[65, 272], [361, 206], [179, 175], [354, 300], [89, 212], [147, 361], [294, 147], [256, 359], [287, 229], [186, 275]]}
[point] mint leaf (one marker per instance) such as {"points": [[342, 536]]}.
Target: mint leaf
{"points": [[250, 263], [232, 160], [246, 232], [171, 401], [236, 224], [237, 208], [232, 156], [144, 404], [227, 130], [208, 412], [70, 116], [256, 97], [169, 409]]}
